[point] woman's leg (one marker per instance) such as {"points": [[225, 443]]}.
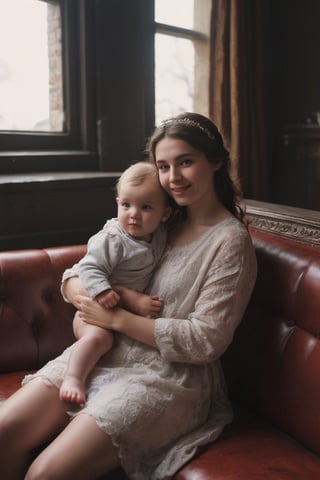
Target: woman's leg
{"points": [[31, 417], [81, 451]]}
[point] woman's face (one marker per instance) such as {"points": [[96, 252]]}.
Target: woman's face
{"points": [[185, 173]]}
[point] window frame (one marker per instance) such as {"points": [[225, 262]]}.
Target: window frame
{"points": [[201, 41], [75, 148]]}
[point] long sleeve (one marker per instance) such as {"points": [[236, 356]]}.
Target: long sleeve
{"points": [[105, 252], [223, 292]]}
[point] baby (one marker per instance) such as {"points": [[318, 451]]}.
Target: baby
{"points": [[124, 253]]}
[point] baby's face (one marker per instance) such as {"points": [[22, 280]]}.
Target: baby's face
{"points": [[141, 208]]}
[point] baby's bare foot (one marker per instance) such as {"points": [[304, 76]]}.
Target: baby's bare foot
{"points": [[73, 390]]}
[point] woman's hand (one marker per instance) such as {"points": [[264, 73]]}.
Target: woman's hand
{"points": [[72, 288], [134, 326], [90, 311]]}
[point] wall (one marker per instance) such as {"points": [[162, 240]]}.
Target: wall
{"points": [[54, 209], [294, 69]]}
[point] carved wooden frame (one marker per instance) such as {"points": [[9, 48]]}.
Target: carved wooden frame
{"points": [[289, 222]]}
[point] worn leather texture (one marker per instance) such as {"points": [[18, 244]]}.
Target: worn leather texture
{"points": [[272, 367]]}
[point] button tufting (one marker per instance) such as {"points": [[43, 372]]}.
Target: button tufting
{"points": [[35, 328]]}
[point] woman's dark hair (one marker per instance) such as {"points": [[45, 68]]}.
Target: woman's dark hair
{"points": [[202, 134]]}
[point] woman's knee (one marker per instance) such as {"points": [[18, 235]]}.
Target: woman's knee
{"points": [[40, 471], [8, 427], [31, 417], [75, 454]]}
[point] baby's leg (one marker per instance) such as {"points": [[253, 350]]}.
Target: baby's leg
{"points": [[93, 342]]}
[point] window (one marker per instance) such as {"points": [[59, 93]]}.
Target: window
{"points": [[45, 96], [92, 90], [31, 93], [181, 56]]}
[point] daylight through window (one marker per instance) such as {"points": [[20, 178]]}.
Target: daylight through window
{"points": [[181, 56], [31, 77]]}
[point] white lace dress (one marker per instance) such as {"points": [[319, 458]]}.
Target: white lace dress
{"points": [[160, 405]]}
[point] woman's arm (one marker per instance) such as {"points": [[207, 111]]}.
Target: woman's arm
{"points": [[71, 288], [226, 288], [138, 327], [204, 333], [117, 319]]}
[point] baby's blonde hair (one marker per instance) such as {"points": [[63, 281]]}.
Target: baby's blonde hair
{"points": [[137, 174]]}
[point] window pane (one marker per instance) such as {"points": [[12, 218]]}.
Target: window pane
{"points": [[173, 76], [30, 66], [177, 12]]}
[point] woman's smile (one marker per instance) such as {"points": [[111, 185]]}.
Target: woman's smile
{"points": [[181, 190]]}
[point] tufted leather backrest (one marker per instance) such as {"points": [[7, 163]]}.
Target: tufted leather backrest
{"points": [[274, 362], [35, 322]]}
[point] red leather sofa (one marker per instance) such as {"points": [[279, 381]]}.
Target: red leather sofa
{"points": [[272, 368]]}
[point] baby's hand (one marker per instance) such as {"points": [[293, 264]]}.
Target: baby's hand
{"points": [[108, 298], [148, 305]]}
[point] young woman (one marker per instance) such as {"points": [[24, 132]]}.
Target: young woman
{"points": [[159, 393]]}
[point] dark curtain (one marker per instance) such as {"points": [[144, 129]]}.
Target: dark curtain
{"points": [[238, 88]]}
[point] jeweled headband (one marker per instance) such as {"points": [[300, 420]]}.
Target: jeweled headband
{"points": [[188, 121]]}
